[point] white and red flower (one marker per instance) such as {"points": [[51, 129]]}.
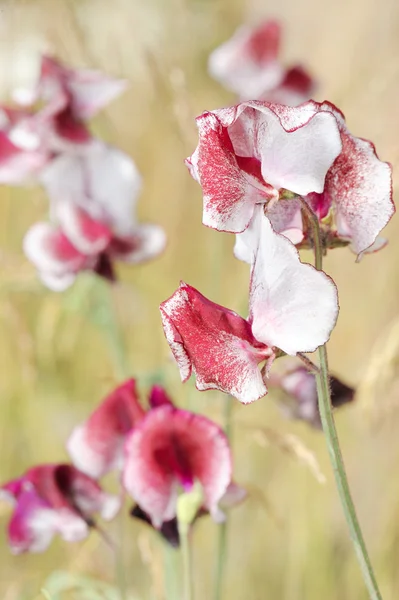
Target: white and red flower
{"points": [[54, 499], [167, 453], [96, 446], [93, 198], [249, 65], [293, 308], [252, 153]]}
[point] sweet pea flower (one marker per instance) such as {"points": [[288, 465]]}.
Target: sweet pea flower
{"points": [[300, 393], [93, 197], [22, 157], [170, 451], [241, 161], [248, 64], [293, 308], [250, 152], [96, 446], [69, 97], [50, 499]]}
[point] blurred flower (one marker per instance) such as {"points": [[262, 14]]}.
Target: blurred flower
{"points": [[167, 453], [52, 499], [96, 446], [93, 197], [300, 391], [169, 530], [293, 308], [247, 153], [248, 64], [68, 98]]}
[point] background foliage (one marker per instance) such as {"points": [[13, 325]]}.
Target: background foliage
{"points": [[289, 540]]}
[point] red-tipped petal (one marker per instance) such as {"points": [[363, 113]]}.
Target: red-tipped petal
{"points": [[173, 448], [216, 342]]}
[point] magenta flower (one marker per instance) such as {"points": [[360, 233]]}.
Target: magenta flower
{"points": [[293, 308], [51, 499], [169, 451], [300, 390], [248, 64], [93, 197], [96, 446], [249, 152], [22, 156]]}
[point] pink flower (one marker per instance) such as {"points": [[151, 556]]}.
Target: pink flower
{"points": [[249, 152], [93, 197], [96, 446], [70, 97], [169, 451], [52, 499], [300, 390], [293, 308], [21, 156], [248, 64]]}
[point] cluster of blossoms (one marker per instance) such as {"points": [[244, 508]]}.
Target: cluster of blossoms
{"points": [[161, 453], [92, 187]]}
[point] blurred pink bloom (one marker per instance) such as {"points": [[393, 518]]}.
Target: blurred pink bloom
{"points": [[299, 386], [169, 451], [52, 499], [293, 308], [93, 198], [96, 446], [249, 152], [69, 97], [248, 64]]}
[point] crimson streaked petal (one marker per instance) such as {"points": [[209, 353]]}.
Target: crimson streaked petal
{"points": [[89, 236], [168, 449], [96, 446], [216, 343], [293, 306], [32, 525]]}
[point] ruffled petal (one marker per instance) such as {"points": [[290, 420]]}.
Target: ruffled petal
{"points": [[293, 306], [229, 193], [96, 446], [32, 525], [216, 342], [173, 448], [360, 186]]}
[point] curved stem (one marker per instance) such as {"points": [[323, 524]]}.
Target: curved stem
{"points": [[330, 432]]}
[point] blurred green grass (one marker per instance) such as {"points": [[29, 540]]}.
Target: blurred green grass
{"points": [[289, 540]]}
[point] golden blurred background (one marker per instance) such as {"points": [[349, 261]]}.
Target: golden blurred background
{"points": [[288, 541]]}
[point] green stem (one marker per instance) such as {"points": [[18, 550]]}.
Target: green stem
{"points": [[330, 432], [184, 532], [222, 532]]}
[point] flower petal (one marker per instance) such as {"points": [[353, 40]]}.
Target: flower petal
{"points": [[91, 91], [18, 165], [51, 251], [146, 242], [247, 64], [32, 525], [87, 235], [360, 185], [96, 446], [229, 193], [216, 342], [293, 306], [167, 445]]}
